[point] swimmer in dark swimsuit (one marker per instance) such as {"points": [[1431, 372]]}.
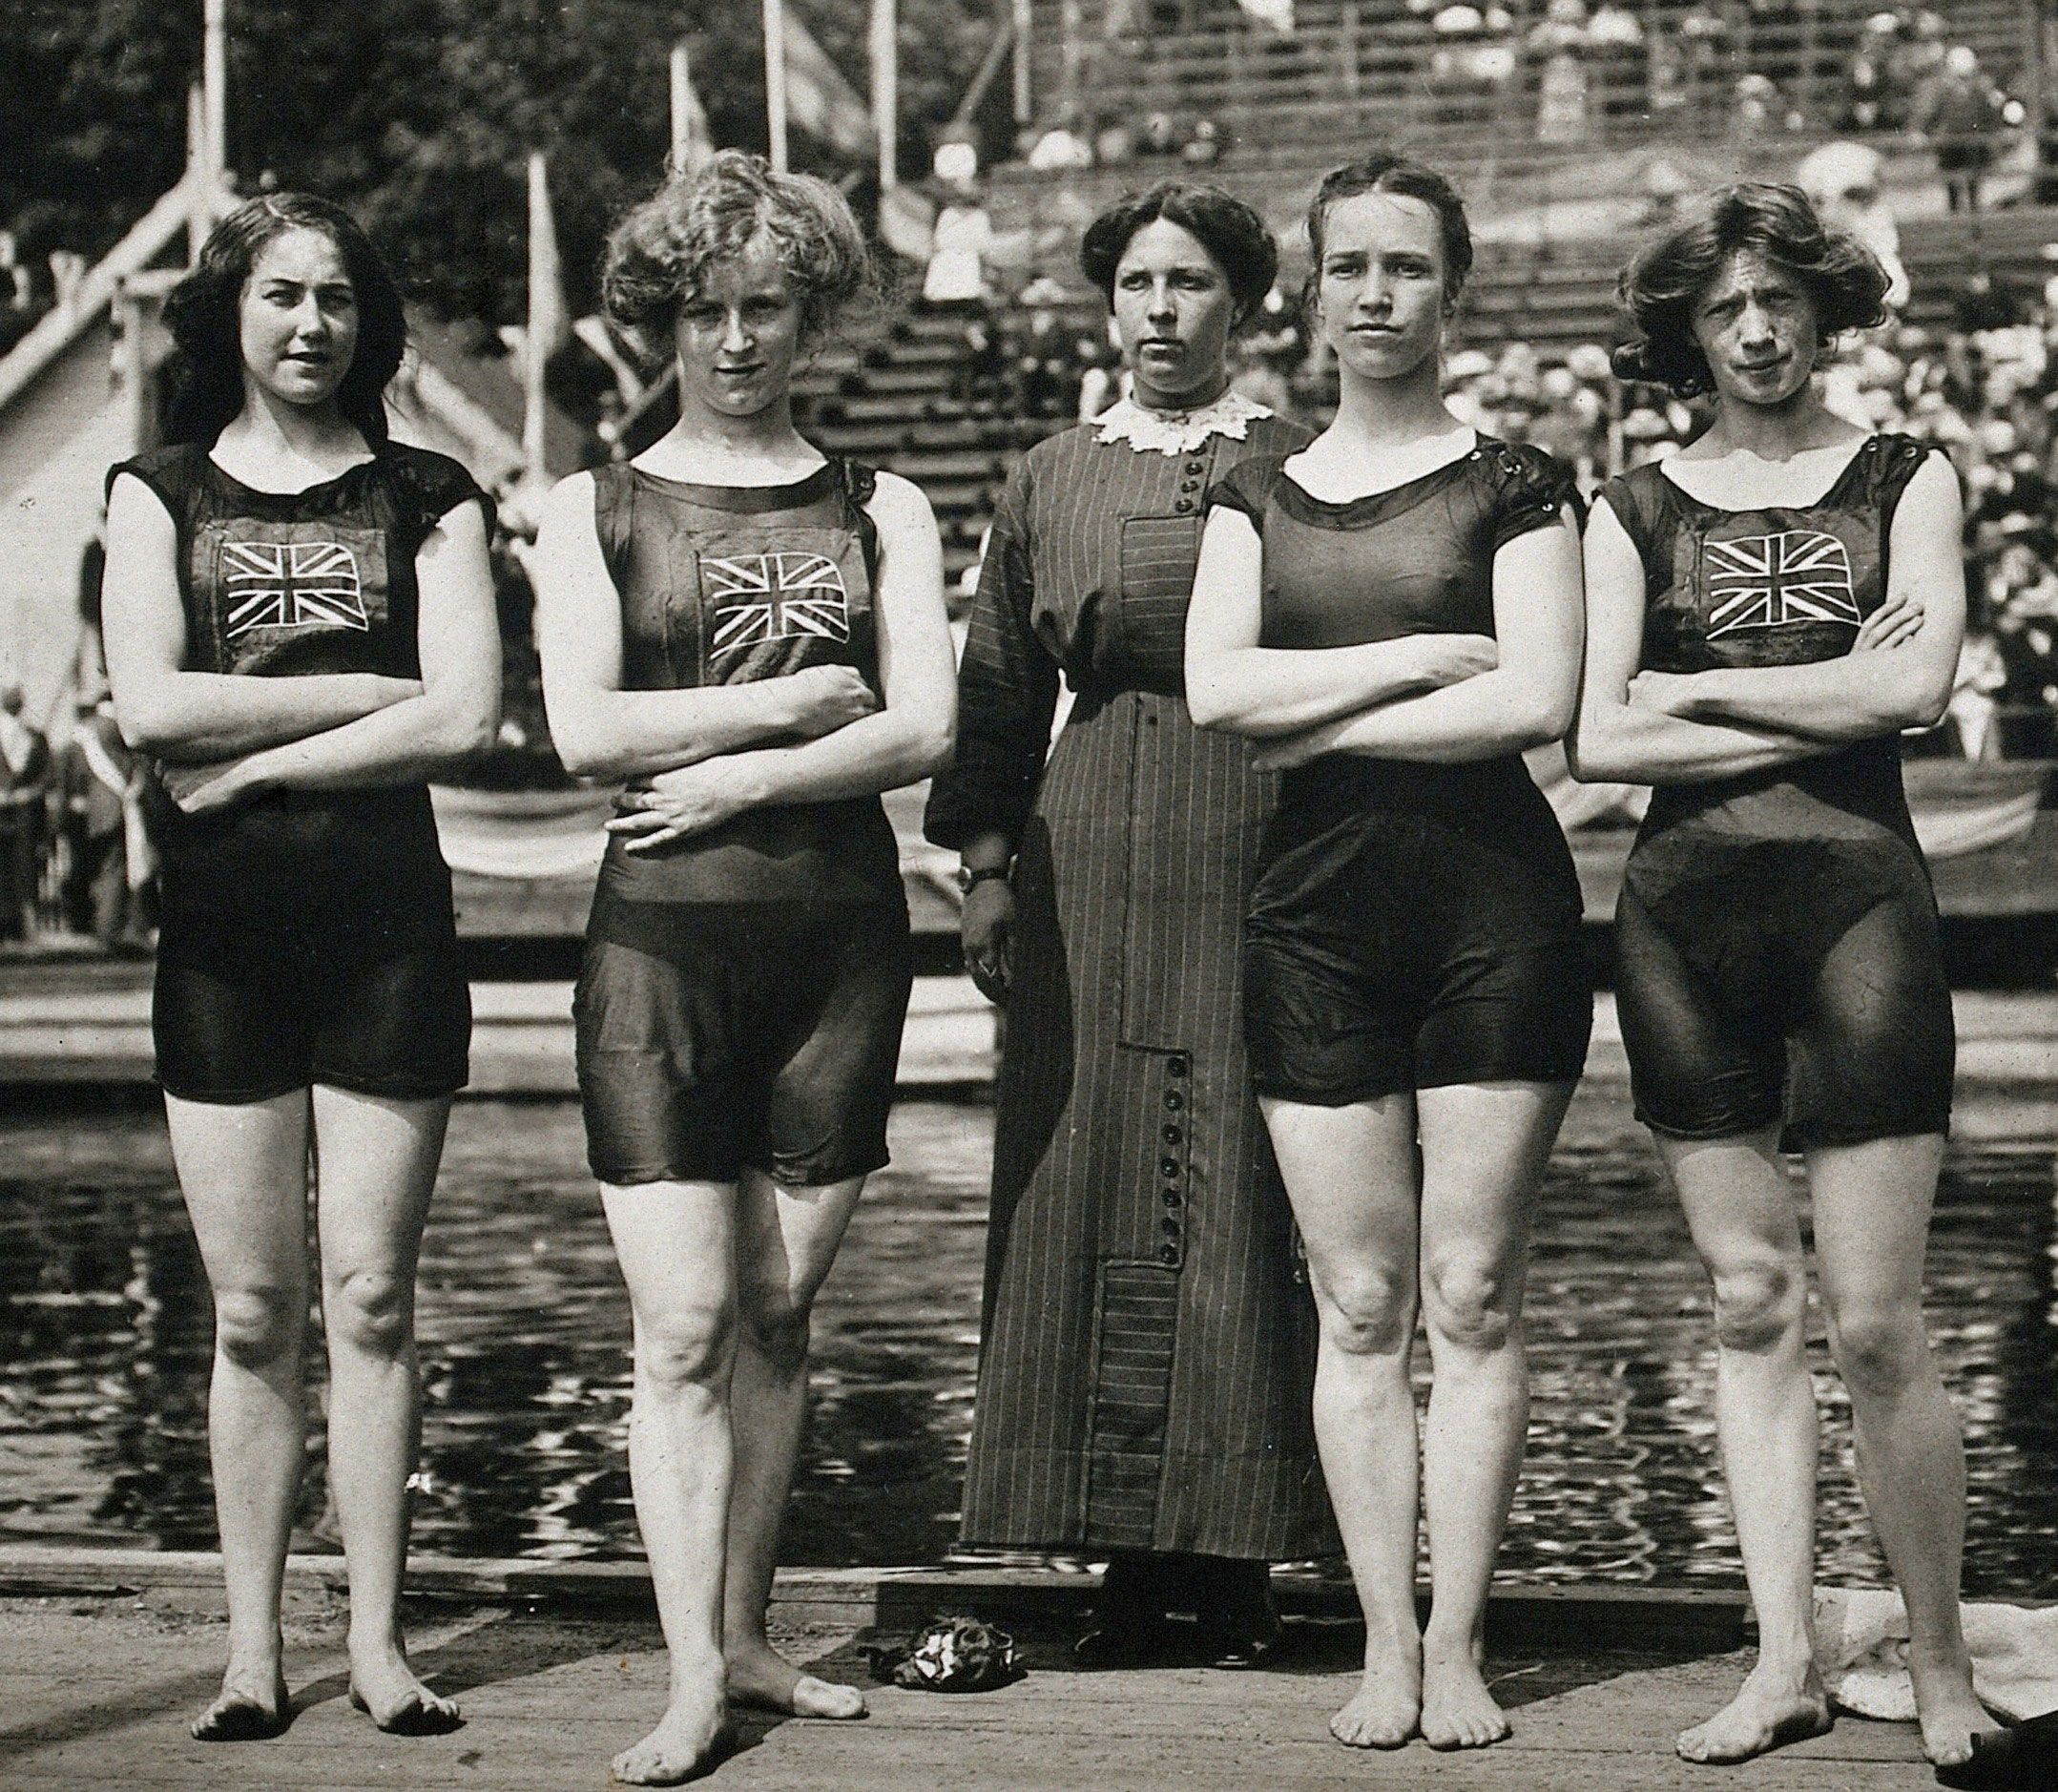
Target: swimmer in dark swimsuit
{"points": [[1394, 614], [755, 639], [300, 627], [1766, 611]]}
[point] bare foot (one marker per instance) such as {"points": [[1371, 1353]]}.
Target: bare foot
{"points": [[1950, 1712], [1457, 1710], [1386, 1709], [759, 1676], [389, 1692], [251, 1706], [689, 1740], [1771, 1711]]}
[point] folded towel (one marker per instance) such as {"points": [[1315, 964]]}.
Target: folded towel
{"points": [[1862, 1652]]}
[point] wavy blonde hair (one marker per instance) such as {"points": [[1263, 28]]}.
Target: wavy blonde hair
{"points": [[660, 254]]}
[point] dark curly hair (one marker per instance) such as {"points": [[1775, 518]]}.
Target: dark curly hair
{"points": [[1667, 275], [1387, 171], [660, 253], [201, 314], [1227, 228]]}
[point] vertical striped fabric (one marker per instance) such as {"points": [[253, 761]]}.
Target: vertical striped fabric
{"points": [[1147, 1357]]}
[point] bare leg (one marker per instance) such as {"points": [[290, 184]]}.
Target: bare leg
{"points": [[1871, 1205], [242, 1168], [1483, 1150], [1351, 1173], [375, 1161], [1740, 1210], [677, 1243], [787, 1239]]}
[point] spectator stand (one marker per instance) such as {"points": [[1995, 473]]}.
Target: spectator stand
{"points": [[1520, 100]]}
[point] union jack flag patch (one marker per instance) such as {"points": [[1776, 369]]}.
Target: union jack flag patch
{"points": [[292, 585], [771, 596], [1768, 581]]}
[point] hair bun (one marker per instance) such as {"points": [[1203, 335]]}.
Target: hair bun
{"points": [[1631, 361]]}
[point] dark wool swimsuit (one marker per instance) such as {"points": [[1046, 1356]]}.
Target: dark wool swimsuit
{"points": [[1776, 935], [743, 989], [307, 935], [1414, 924]]}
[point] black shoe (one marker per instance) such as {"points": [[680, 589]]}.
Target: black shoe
{"points": [[1244, 1634], [1134, 1642], [2023, 1758]]}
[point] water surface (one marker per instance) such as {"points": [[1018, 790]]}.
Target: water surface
{"points": [[105, 1329]]}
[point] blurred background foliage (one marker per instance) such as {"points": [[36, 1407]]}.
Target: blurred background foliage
{"points": [[419, 115]]}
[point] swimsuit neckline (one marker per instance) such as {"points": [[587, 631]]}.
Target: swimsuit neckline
{"points": [[298, 491], [744, 498], [1866, 446], [1371, 508], [1475, 453]]}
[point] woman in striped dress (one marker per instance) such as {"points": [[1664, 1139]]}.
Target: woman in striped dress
{"points": [[1143, 1383]]}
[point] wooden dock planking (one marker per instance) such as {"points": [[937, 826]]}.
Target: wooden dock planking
{"points": [[98, 1691]]}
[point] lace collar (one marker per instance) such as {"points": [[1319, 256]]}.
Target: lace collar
{"points": [[1182, 433]]}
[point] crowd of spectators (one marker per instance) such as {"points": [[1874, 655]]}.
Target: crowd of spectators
{"points": [[1573, 72]]}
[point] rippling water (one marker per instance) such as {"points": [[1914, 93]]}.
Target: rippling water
{"points": [[104, 1335]]}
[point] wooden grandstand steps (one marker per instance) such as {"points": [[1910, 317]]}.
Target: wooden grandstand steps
{"points": [[895, 400]]}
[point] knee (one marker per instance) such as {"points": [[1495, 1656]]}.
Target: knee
{"points": [[1366, 1310], [370, 1311], [778, 1326], [1879, 1347], [256, 1327], [1757, 1306], [1470, 1303], [688, 1349]]}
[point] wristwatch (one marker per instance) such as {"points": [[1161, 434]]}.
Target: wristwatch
{"points": [[967, 878]]}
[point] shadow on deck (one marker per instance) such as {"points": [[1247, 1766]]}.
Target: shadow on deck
{"points": [[558, 1678]]}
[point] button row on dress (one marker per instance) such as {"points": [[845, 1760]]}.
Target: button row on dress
{"points": [[1171, 1166]]}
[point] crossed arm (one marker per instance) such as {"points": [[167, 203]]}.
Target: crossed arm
{"points": [[698, 757], [1652, 727], [224, 737], [1443, 697]]}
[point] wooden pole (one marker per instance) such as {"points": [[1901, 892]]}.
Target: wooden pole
{"points": [[1070, 25], [200, 198], [988, 72], [134, 364], [681, 89], [775, 81], [215, 85], [886, 89], [1022, 95], [543, 314]]}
